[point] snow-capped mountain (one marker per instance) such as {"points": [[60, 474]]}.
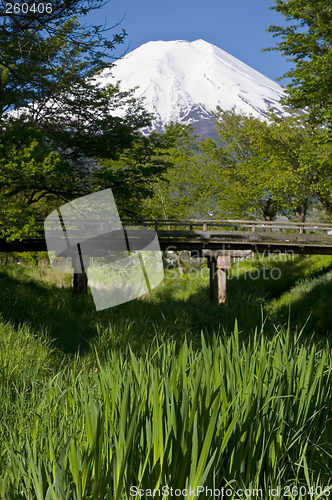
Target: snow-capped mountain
{"points": [[184, 81]]}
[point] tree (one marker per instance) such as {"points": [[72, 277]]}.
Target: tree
{"points": [[43, 167], [265, 169], [241, 179], [307, 42], [64, 122], [178, 193], [212, 178], [138, 171], [30, 174], [43, 53]]}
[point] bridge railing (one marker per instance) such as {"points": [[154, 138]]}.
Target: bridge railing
{"points": [[231, 225], [214, 225]]}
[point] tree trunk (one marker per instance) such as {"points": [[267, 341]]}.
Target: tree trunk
{"points": [[269, 209], [301, 212]]}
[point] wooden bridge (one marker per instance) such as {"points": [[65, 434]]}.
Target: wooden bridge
{"points": [[218, 241]]}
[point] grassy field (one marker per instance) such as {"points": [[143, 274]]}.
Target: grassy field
{"points": [[169, 389]]}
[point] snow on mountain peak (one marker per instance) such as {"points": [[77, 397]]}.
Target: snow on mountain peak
{"points": [[184, 81]]}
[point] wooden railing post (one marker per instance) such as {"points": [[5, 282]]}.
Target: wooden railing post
{"points": [[80, 281], [218, 278]]}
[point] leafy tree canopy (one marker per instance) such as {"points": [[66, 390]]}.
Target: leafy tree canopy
{"points": [[142, 171], [307, 42], [57, 123], [179, 193], [264, 169]]}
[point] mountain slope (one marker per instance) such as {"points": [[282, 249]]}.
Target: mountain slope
{"points": [[184, 81]]}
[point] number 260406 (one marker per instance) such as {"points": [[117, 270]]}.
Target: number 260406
{"points": [[24, 8]]}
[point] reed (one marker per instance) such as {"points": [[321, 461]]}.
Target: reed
{"points": [[162, 391], [250, 414]]}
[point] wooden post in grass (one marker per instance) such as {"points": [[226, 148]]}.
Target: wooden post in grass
{"points": [[218, 274], [80, 265], [80, 284]]}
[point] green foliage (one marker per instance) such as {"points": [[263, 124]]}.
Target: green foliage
{"points": [[246, 414], [29, 174], [254, 169], [264, 169], [179, 307], [155, 402], [306, 41], [63, 120], [37, 67], [240, 177], [139, 170], [182, 191]]}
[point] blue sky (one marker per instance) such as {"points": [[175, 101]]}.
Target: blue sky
{"points": [[237, 26]]}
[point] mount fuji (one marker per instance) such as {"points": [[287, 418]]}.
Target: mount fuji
{"points": [[184, 81]]}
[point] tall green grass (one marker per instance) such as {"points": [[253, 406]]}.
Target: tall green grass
{"points": [[165, 390], [255, 415], [42, 299]]}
